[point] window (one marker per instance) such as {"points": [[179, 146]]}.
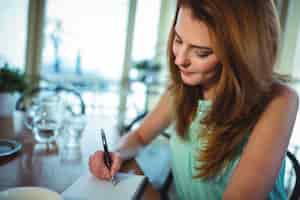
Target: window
{"points": [[146, 29], [13, 20], [85, 38]]}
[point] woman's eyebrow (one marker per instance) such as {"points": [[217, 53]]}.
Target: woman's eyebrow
{"points": [[195, 46]]}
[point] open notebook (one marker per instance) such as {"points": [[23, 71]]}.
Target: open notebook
{"points": [[87, 187]]}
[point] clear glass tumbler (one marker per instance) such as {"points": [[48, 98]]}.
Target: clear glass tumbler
{"points": [[73, 128], [48, 119]]}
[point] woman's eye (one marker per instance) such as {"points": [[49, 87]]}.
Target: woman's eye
{"points": [[203, 55], [178, 41]]}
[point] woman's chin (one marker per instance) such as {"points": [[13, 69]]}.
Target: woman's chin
{"points": [[190, 82], [189, 79]]}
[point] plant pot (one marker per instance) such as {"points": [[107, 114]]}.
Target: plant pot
{"points": [[8, 103]]}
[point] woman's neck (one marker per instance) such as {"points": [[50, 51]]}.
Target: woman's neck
{"points": [[209, 89], [208, 93]]}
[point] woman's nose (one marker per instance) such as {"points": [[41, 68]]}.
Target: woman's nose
{"points": [[181, 58]]}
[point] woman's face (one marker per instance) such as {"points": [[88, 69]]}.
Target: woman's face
{"points": [[192, 49]]}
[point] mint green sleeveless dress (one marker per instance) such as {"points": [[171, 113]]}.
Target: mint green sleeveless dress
{"points": [[183, 158]]}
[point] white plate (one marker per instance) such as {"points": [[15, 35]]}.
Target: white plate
{"points": [[8, 147], [29, 193]]}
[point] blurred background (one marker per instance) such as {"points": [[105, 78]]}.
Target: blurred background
{"points": [[112, 52]]}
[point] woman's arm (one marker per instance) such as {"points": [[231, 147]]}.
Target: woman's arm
{"points": [[153, 124], [256, 173]]}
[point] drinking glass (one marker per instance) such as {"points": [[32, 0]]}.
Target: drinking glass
{"points": [[32, 111], [74, 125], [48, 119]]}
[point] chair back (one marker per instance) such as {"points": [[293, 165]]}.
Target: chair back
{"points": [[295, 194]]}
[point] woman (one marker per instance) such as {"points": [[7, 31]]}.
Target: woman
{"points": [[233, 117]]}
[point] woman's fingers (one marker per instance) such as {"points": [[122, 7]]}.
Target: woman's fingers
{"points": [[97, 166], [116, 163]]}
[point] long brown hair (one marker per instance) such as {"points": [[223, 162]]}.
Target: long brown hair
{"points": [[244, 36]]}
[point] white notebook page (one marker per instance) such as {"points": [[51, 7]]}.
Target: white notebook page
{"points": [[88, 187]]}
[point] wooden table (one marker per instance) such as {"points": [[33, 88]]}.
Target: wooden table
{"points": [[58, 167]]}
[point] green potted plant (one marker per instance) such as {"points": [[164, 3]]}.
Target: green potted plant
{"points": [[12, 83]]}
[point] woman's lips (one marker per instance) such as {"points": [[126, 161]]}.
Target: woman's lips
{"points": [[186, 73]]}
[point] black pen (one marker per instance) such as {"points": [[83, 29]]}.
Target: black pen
{"points": [[107, 158]]}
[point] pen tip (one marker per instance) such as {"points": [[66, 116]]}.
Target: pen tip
{"points": [[114, 180]]}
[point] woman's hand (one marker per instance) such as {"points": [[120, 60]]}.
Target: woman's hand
{"points": [[99, 169]]}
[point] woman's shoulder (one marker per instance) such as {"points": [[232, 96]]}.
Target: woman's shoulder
{"points": [[284, 93], [283, 99]]}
